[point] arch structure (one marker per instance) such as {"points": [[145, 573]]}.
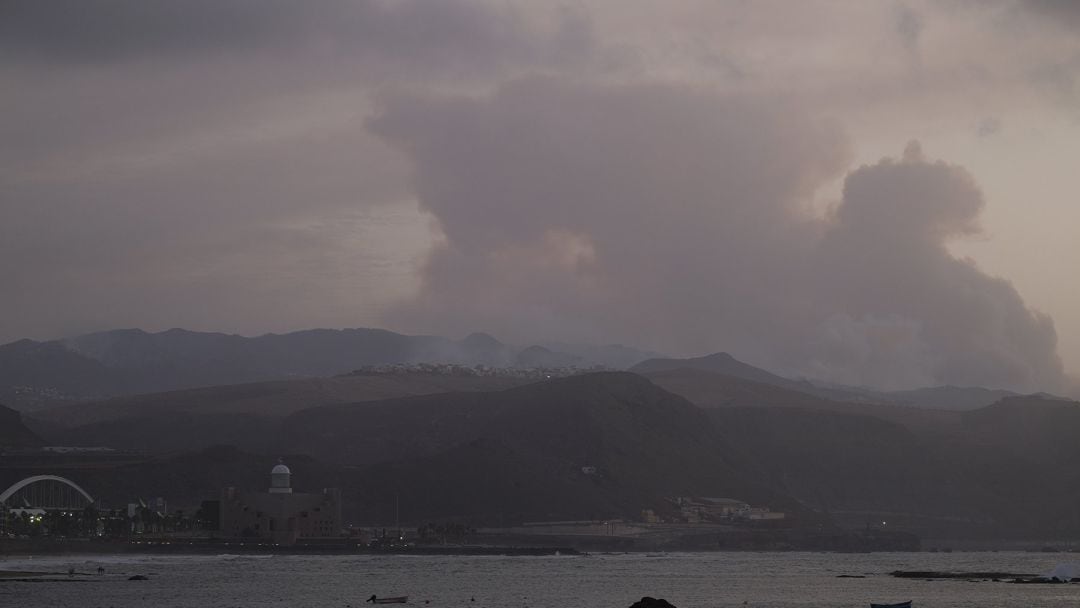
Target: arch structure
{"points": [[48, 492]]}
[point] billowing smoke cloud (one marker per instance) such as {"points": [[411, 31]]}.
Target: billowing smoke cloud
{"points": [[612, 171], [906, 311], [651, 213], [674, 216]]}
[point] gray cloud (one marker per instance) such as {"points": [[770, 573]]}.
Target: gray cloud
{"points": [[672, 214], [1065, 12], [988, 127], [461, 36], [909, 25]]}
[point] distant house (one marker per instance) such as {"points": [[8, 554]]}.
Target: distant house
{"points": [[763, 514], [724, 507]]}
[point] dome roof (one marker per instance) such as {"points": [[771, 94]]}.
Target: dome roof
{"points": [[280, 469]]}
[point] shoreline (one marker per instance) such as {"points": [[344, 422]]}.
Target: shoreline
{"points": [[10, 548]]}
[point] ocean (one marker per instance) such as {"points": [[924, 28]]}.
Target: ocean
{"points": [[687, 580]]}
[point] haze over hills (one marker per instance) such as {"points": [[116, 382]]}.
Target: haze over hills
{"points": [[126, 362], [937, 397], [1004, 469], [482, 453], [130, 362]]}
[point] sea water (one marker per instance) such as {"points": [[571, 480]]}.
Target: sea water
{"points": [[687, 580]]}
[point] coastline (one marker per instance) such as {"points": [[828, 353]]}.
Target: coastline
{"points": [[18, 547]]}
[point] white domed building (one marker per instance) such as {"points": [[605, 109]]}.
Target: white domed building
{"points": [[280, 479], [280, 515]]}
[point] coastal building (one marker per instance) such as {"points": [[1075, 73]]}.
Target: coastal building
{"points": [[280, 515], [702, 509]]}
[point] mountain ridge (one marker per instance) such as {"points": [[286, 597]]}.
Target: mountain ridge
{"points": [[132, 361]]}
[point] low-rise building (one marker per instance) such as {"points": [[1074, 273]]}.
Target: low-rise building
{"points": [[703, 509]]}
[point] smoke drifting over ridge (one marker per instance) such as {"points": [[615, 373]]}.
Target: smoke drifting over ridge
{"points": [[676, 216], [606, 170]]}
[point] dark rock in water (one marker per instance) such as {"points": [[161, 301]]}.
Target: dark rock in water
{"points": [[934, 574], [138, 577], [651, 602]]}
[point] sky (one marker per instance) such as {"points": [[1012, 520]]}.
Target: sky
{"points": [[876, 193]]}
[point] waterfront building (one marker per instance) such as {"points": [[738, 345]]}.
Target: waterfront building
{"points": [[280, 515]]}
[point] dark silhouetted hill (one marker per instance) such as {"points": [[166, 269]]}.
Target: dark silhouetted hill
{"points": [[1006, 470], [42, 372], [645, 443], [275, 398], [13, 433]]}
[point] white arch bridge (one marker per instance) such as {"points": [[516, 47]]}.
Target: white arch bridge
{"points": [[48, 492]]}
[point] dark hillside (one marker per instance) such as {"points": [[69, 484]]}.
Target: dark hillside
{"points": [[177, 431], [719, 363], [273, 398], [841, 462], [712, 390], [13, 433], [954, 398], [1007, 470], [1038, 430], [484, 482], [32, 373], [646, 444]]}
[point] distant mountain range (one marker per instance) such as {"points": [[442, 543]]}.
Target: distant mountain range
{"points": [[130, 362], [127, 362]]}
